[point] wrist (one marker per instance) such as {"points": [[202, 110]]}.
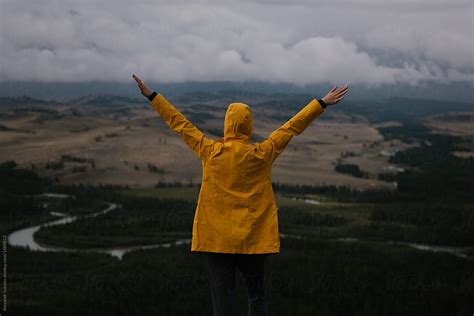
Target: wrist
{"points": [[152, 96], [323, 104]]}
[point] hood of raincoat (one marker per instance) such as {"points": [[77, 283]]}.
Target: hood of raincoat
{"points": [[238, 124]]}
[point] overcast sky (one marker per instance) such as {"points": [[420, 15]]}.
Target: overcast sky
{"points": [[302, 42]]}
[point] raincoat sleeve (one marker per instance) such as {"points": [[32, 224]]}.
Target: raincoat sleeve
{"points": [[189, 133], [277, 141]]}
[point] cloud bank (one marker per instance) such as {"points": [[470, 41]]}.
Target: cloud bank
{"points": [[301, 42]]}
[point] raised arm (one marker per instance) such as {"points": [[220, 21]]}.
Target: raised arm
{"points": [[190, 134], [278, 140]]}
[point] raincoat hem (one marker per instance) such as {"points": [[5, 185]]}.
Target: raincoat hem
{"points": [[237, 252]]}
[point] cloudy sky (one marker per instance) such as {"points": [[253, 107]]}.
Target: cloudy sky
{"points": [[302, 42]]}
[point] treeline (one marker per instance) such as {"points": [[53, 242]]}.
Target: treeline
{"points": [[308, 222], [21, 181], [351, 169], [343, 193], [106, 192], [389, 177], [18, 205], [404, 110], [412, 131], [425, 222], [439, 172], [178, 184]]}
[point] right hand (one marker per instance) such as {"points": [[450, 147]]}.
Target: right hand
{"points": [[335, 95], [141, 85]]}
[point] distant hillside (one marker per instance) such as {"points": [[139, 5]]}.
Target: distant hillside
{"points": [[282, 105], [403, 108], [99, 100], [26, 101], [107, 100], [454, 91]]}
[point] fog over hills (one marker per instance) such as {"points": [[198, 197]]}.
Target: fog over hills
{"points": [[62, 91]]}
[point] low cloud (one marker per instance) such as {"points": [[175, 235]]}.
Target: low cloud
{"points": [[176, 41]]}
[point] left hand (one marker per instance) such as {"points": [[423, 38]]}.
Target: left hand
{"points": [[143, 89], [335, 95]]}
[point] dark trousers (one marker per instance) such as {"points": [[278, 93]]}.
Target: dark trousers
{"points": [[222, 274]]}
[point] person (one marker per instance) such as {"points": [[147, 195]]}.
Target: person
{"points": [[236, 220]]}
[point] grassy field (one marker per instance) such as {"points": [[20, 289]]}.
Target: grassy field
{"points": [[123, 146]]}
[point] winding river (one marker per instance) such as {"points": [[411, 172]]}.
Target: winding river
{"points": [[25, 237]]}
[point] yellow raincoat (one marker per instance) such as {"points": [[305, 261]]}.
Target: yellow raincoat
{"points": [[236, 210]]}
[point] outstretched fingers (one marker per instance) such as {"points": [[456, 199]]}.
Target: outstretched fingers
{"points": [[344, 88], [342, 91], [139, 81]]}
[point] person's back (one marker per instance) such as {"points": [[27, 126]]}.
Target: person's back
{"points": [[236, 210], [236, 219], [235, 202]]}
